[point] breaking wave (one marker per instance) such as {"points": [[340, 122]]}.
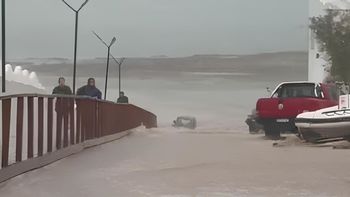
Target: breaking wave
{"points": [[22, 76]]}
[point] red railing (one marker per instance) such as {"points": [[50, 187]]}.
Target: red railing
{"points": [[46, 126]]}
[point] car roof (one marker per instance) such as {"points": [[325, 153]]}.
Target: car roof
{"points": [[186, 117], [298, 82]]}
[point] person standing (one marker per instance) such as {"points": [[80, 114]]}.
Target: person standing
{"points": [[63, 108], [62, 88], [122, 98], [90, 90], [62, 104]]}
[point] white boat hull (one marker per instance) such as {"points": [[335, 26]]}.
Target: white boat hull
{"points": [[324, 124]]}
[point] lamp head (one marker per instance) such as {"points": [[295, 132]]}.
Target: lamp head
{"points": [[113, 41]]}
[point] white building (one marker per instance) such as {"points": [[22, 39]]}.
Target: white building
{"points": [[318, 67], [316, 63]]}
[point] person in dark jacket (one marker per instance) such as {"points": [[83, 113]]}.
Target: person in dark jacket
{"points": [[62, 88], [122, 98], [90, 90], [63, 106]]}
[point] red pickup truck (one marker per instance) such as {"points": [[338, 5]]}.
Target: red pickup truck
{"points": [[277, 113]]}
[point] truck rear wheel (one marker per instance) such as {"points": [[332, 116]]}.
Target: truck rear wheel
{"points": [[272, 131]]}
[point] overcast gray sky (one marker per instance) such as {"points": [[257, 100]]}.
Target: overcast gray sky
{"points": [[45, 28]]}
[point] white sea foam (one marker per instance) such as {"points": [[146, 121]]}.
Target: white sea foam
{"points": [[22, 76]]}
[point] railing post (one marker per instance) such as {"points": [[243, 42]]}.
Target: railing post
{"points": [[58, 109], [87, 122], [78, 122], [71, 121], [83, 115], [89, 119], [19, 129], [65, 114], [6, 118], [49, 124], [40, 126], [30, 127], [95, 120], [99, 119]]}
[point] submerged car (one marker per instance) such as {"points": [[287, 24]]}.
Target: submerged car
{"points": [[185, 122], [277, 113]]}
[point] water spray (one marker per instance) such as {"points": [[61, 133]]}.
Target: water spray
{"points": [[22, 76]]}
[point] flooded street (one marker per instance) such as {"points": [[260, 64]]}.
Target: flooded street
{"points": [[219, 158], [168, 162]]}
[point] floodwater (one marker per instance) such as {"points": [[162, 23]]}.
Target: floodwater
{"points": [[219, 158], [168, 162]]}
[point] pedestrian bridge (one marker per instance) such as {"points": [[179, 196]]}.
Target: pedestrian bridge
{"points": [[40, 129]]}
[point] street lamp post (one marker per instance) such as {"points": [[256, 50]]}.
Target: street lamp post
{"points": [[3, 39], [108, 55], [119, 63], [76, 39]]}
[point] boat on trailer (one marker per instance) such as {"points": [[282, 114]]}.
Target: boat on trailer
{"points": [[326, 124]]}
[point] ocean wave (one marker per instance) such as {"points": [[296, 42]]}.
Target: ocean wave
{"points": [[22, 76]]}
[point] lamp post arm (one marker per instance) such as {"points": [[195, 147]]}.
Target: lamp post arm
{"points": [[69, 6], [122, 60], [115, 59], [81, 7], [103, 42]]}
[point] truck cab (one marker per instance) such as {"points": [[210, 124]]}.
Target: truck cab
{"points": [[288, 100]]}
